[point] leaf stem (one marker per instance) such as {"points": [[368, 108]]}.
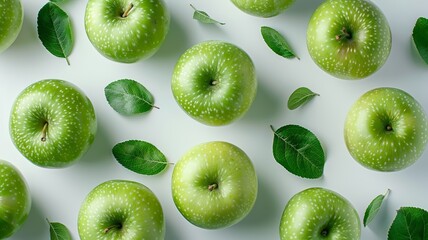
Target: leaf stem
{"points": [[44, 132], [68, 61], [128, 10]]}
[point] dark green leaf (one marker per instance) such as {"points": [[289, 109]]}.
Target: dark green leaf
{"points": [[299, 151], [373, 208], [299, 97], [277, 42], [54, 29], [420, 37], [58, 231], [410, 223], [57, 1], [128, 97], [203, 17], [140, 157]]}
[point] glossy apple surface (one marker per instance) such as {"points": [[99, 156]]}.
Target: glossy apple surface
{"points": [[262, 8], [15, 199], [349, 39], [214, 82], [124, 30], [11, 18], [214, 185], [319, 214], [121, 210], [52, 123], [386, 129]]}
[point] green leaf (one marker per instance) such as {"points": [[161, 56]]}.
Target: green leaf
{"points": [[420, 37], [299, 97], [54, 29], [57, 1], [140, 157], [277, 42], [128, 97], [410, 223], [373, 208], [299, 151], [58, 231], [203, 17]]}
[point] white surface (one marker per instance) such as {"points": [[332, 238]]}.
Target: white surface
{"points": [[58, 193]]}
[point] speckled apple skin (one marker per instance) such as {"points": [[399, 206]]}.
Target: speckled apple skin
{"points": [[311, 211], [71, 121], [11, 19], [127, 40], [15, 199], [235, 76], [349, 59], [263, 8], [119, 201], [214, 162], [375, 148]]}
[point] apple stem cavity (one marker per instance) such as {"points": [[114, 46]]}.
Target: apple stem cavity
{"points": [[44, 132], [212, 187], [388, 128], [324, 232], [127, 10], [213, 82], [115, 226], [344, 35]]}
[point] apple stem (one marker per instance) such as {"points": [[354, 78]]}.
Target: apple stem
{"points": [[214, 82], [388, 128], [212, 187], [44, 132], [128, 10], [344, 34], [324, 233], [118, 226]]}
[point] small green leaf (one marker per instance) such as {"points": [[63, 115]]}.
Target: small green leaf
{"points": [[140, 157], [374, 208], [420, 37], [203, 17], [54, 29], [299, 97], [410, 223], [299, 151], [128, 97], [58, 231], [277, 42]]}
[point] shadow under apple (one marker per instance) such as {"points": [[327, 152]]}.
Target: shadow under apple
{"points": [[35, 225]]}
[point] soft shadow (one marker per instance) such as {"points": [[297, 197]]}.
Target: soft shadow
{"points": [[100, 149], [35, 225], [303, 8], [265, 106], [176, 42], [27, 38], [414, 54], [172, 231], [266, 206]]}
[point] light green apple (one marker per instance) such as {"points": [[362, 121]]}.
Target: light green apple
{"points": [[349, 39], [52, 123], [214, 82], [319, 214], [15, 199], [386, 129], [126, 30], [121, 210], [11, 18], [263, 8], [214, 185]]}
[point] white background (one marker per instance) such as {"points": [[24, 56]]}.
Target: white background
{"points": [[58, 193]]}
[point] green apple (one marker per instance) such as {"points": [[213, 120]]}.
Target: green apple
{"points": [[349, 39], [214, 82], [15, 199], [386, 129], [263, 8], [121, 210], [11, 18], [214, 185], [126, 30], [52, 123], [319, 214]]}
